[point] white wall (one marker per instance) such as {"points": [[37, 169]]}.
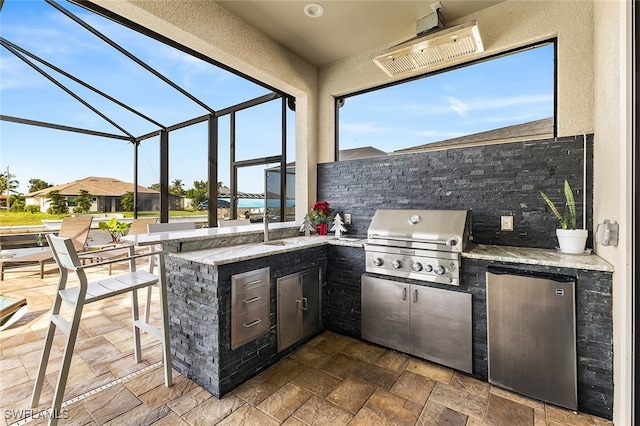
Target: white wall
{"points": [[612, 177]]}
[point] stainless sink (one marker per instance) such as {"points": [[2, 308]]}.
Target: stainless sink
{"points": [[276, 243]]}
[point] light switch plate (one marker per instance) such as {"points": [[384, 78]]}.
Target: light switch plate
{"points": [[506, 223], [347, 218]]}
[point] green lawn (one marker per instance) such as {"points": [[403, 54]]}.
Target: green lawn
{"points": [[23, 218]]}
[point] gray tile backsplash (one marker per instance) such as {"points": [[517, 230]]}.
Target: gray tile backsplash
{"points": [[490, 180]]}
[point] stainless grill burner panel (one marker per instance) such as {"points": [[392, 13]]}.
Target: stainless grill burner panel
{"points": [[418, 244]]}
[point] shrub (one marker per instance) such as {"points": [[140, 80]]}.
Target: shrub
{"points": [[18, 206]]}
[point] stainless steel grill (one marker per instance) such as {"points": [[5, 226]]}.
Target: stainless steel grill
{"points": [[418, 244]]}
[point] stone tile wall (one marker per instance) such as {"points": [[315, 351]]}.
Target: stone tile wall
{"points": [[346, 266], [490, 180]]}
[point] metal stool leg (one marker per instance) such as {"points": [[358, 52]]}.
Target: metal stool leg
{"points": [[42, 369], [137, 352], [66, 364], [147, 306], [164, 310], [46, 352]]}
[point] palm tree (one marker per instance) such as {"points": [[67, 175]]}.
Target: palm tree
{"points": [[176, 187], [8, 183]]}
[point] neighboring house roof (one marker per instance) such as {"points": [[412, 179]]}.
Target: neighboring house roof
{"points": [[96, 186], [539, 129], [358, 153]]}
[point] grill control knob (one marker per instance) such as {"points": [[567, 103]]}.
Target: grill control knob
{"points": [[439, 270], [428, 268], [416, 267], [396, 264], [377, 261]]}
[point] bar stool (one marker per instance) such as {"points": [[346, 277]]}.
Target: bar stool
{"points": [[87, 292], [152, 228]]}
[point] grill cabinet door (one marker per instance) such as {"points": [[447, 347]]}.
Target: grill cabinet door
{"points": [[441, 329], [385, 313], [310, 301], [289, 311], [298, 306]]}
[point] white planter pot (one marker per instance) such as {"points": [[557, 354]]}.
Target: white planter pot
{"points": [[572, 241]]}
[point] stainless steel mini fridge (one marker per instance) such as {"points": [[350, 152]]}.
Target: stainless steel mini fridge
{"points": [[531, 335]]}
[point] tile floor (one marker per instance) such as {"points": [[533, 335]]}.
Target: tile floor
{"points": [[332, 380]]}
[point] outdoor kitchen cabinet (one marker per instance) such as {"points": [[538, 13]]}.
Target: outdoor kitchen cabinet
{"points": [[298, 306], [249, 306], [427, 322]]}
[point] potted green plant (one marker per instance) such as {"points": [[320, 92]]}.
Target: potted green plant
{"points": [[570, 239], [114, 228]]}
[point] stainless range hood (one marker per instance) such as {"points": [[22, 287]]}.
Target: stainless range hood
{"points": [[437, 48]]}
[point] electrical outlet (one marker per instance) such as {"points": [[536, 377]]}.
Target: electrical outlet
{"points": [[506, 223], [347, 218]]}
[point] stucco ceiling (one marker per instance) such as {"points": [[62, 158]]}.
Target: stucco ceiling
{"points": [[346, 27]]}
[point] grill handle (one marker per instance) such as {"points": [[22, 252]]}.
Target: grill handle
{"points": [[450, 242]]}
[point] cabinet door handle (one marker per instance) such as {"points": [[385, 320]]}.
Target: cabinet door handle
{"points": [[298, 305], [252, 323], [305, 304], [252, 284], [404, 293], [253, 299], [415, 296]]}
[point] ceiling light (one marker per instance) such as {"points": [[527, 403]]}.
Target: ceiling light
{"points": [[314, 10]]}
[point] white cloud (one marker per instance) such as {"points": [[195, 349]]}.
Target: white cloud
{"points": [[464, 107], [458, 106], [495, 103]]}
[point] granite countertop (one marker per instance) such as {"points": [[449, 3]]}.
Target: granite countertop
{"points": [[230, 254], [204, 233], [251, 250], [537, 256]]}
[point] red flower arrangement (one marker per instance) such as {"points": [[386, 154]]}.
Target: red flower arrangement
{"points": [[321, 212]]}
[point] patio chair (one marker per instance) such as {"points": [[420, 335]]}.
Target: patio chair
{"points": [[138, 226], [86, 292], [75, 228]]}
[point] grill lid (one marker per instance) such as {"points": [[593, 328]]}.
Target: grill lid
{"points": [[430, 229]]}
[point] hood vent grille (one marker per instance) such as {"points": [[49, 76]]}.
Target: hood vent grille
{"points": [[439, 48]]}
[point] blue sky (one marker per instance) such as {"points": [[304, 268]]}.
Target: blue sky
{"points": [[58, 157], [510, 90]]}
